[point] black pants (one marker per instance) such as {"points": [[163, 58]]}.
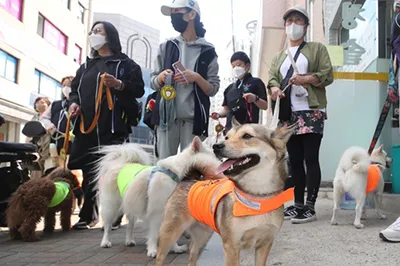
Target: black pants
{"points": [[90, 209], [305, 148]]}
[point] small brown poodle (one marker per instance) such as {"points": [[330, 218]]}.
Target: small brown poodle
{"points": [[42, 197]]}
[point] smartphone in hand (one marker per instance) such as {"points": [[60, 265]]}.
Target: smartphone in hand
{"points": [[178, 67]]}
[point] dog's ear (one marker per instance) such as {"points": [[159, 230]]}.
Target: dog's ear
{"points": [[197, 144], [235, 123], [283, 133], [380, 148]]}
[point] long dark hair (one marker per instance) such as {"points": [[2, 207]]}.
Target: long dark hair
{"points": [[114, 42], [198, 25]]}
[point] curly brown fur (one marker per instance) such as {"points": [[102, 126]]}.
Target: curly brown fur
{"points": [[30, 203]]}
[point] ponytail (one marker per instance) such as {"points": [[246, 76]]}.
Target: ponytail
{"points": [[199, 27]]}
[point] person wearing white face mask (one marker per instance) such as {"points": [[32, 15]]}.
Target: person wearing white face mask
{"points": [[244, 98], [299, 76], [101, 121]]}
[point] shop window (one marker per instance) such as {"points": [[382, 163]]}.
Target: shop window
{"points": [[81, 13], [51, 34], [78, 54], [13, 7], [8, 66], [47, 86]]}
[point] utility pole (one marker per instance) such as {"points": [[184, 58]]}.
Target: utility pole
{"points": [[89, 24], [233, 34]]}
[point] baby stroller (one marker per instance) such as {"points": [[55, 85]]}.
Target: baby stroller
{"points": [[16, 160]]}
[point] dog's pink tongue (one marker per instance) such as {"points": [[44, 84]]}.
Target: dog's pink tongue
{"points": [[225, 166]]}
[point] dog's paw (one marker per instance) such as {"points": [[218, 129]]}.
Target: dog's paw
{"points": [[381, 216], [152, 253], [334, 222], [358, 226], [180, 249], [105, 244], [130, 243], [32, 239]]}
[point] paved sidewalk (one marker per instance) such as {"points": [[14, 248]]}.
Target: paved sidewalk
{"points": [[80, 248], [320, 244]]}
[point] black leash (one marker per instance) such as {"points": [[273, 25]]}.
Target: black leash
{"points": [[391, 98]]}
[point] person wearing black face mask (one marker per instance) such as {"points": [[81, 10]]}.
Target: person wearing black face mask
{"points": [[177, 120]]}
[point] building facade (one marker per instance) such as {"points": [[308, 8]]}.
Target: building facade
{"points": [[140, 42], [41, 41]]}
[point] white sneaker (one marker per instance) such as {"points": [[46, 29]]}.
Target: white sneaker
{"points": [[392, 233]]}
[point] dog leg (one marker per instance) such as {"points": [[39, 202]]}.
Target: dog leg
{"points": [[378, 205], [27, 229], [200, 234], [360, 202], [231, 252], [109, 212], [262, 254], [65, 218], [154, 220], [49, 221], [14, 234], [337, 196], [170, 231], [130, 239]]}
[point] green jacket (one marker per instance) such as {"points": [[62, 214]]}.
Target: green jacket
{"points": [[319, 64]]}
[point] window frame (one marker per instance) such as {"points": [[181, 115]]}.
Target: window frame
{"points": [[16, 62], [21, 9], [41, 30], [40, 75]]}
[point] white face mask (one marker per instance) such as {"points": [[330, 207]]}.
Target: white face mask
{"points": [[97, 41], [239, 72], [294, 32], [66, 91]]}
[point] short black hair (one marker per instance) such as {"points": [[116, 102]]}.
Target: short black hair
{"points": [[242, 56], [114, 42], [65, 78]]}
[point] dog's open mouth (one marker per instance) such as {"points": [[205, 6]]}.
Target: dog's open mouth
{"points": [[236, 166]]}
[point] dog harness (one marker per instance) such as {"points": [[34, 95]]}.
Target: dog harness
{"points": [[62, 190], [204, 197], [131, 171], [374, 175]]}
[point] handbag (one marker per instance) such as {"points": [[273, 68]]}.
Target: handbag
{"points": [[285, 110]]}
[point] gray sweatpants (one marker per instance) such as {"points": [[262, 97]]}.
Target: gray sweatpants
{"points": [[179, 132]]}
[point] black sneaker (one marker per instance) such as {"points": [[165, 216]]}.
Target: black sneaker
{"points": [[306, 216], [291, 212], [81, 225]]}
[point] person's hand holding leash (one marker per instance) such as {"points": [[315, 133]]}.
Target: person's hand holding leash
{"points": [[250, 97], [74, 110], [275, 92], [299, 80], [111, 82], [214, 116], [163, 76]]}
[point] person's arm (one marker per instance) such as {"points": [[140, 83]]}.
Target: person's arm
{"points": [[158, 68], [73, 95], [210, 86], [132, 85], [46, 119], [324, 76], [261, 94]]}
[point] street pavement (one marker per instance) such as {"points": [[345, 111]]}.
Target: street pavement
{"points": [[316, 243]]}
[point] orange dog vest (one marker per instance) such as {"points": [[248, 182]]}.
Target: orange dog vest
{"points": [[374, 175], [204, 196]]}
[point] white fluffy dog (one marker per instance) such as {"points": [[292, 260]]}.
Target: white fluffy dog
{"points": [[144, 191], [352, 177]]}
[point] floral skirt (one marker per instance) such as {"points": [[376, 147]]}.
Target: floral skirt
{"points": [[308, 121]]}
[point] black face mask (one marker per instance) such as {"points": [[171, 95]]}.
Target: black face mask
{"points": [[178, 22]]}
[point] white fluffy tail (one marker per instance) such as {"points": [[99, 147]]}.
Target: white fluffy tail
{"points": [[355, 158], [115, 157]]}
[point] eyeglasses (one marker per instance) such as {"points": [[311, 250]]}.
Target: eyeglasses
{"points": [[95, 31]]}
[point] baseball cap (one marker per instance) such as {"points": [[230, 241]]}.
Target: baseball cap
{"points": [[166, 9], [296, 8]]}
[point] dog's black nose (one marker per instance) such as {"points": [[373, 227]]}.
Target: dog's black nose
{"points": [[218, 146]]}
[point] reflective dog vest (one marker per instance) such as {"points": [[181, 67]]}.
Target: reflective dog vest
{"points": [[204, 196], [62, 190], [374, 175], [128, 174]]}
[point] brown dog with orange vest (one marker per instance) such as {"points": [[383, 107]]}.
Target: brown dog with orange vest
{"points": [[245, 209]]}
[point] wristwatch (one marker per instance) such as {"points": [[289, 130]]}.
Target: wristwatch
{"points": [[121, 85], [257, 98]]}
